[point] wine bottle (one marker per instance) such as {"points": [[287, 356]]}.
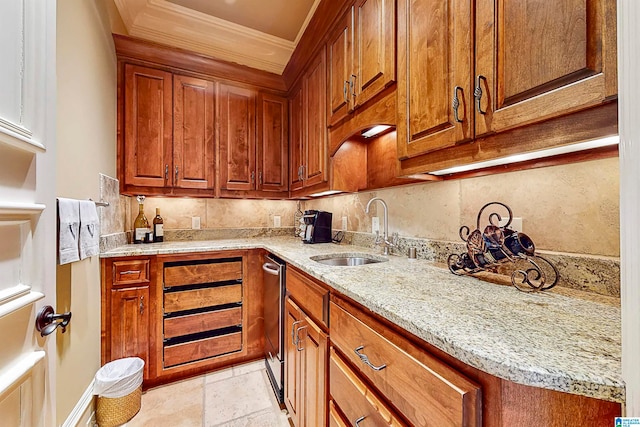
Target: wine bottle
{"points": [[158, 227], [140, 225]]}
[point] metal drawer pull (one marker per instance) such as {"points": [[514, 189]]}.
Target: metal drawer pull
{"points": [[294, 336], [130, 272], [141, 305], [357, 422], [456, 103], [366, 361], [298, 338], [478, 93]]}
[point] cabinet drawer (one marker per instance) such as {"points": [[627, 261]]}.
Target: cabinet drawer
{"points": [[311, 297], [201, 298], [427, 391], [202, 349], [130, 272], [201, 322], [195, 274], [355, 399]]}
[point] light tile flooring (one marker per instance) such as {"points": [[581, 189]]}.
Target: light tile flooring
{"points": [[240, 396]]}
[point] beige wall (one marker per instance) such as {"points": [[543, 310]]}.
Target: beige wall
{"points": [[86, 120], [572, 208]]}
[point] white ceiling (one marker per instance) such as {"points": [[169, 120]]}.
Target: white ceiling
{"points": [[258, 33]]}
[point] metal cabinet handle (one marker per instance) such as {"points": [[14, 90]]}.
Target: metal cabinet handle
{"points": [[477, 93], [294, 336], [166, 172], [253, 177], [271, 268], [176, 175], [455, 103], [366, 361], [141, 305], [130, 272], [302, 168], [298, 337], [345, 86], [352, 83], [357, 422], [260, 177]]}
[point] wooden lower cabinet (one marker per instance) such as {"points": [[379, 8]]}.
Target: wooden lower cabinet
{"points": [[305, 368], [183, 314]]}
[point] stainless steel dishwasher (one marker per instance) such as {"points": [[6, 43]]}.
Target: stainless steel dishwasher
{"points": [[274, 292]]}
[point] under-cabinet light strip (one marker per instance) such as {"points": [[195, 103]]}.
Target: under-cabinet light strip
{"points": [[587, 145]]}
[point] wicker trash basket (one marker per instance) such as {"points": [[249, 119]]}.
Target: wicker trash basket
{"points": [[112, 412], [118, 385]]}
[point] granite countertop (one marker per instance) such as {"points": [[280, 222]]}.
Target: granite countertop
{"points": [[546, 340]]}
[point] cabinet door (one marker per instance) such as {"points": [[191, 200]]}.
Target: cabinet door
{"points": [[340, 69], [314, 355], [148, 126], [315, 108], [296, 146], [375, 48], [542, 59], [193, 147], [273, 175], [434, 59], [292, 363], [237, 121], [130, 324]]}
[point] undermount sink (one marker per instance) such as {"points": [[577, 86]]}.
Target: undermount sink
{"points": [[348, 259]]}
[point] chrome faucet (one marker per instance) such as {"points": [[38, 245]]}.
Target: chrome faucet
{"points": [[385, 236]]}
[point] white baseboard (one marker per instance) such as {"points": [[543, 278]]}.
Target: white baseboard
{"points": [[82, 413]]}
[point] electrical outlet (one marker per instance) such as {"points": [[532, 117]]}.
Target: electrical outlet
{"points": [[344, 223], [375, 224], [276, 221], [195, 222], [516, 224]]}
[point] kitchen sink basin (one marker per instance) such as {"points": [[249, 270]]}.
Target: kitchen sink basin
{"points": [[348, 259]]}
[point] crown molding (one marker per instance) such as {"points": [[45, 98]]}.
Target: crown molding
{"points": [[163, 22]]}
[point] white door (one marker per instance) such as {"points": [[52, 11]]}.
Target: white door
{"points": [[27, 210]]}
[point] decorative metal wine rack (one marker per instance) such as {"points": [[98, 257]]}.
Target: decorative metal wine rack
{"points": [[499, 246]]}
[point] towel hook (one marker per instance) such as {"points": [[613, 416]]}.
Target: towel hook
{"points": [[47, 321]]}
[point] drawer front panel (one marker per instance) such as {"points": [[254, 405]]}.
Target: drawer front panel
{"points": [[427, 391], [355, 399], [200, 298], [201, 322], [131, 272], [202, 349], [194, 274], [311, 297]]}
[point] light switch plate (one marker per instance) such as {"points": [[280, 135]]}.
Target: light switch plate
{"points": [[195, 222], [276, 221], [375, 224], [344, 223]]}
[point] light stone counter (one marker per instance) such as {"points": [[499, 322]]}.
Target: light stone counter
{"points": [[544, 339]]}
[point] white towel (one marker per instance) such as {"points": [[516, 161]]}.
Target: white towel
{"points": [[68, 230], [89, 229]]}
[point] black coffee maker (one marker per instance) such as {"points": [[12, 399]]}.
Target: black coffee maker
{"points": [[317, 226]]}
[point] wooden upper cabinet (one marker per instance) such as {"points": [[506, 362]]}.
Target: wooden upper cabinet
{"points": [[537, 60], [340, 70], [315, 123], [296, 139], [435, 47], [148, 126], [237, 121], [272, 147], [374, 48], [362, 56], [193, 130]]}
